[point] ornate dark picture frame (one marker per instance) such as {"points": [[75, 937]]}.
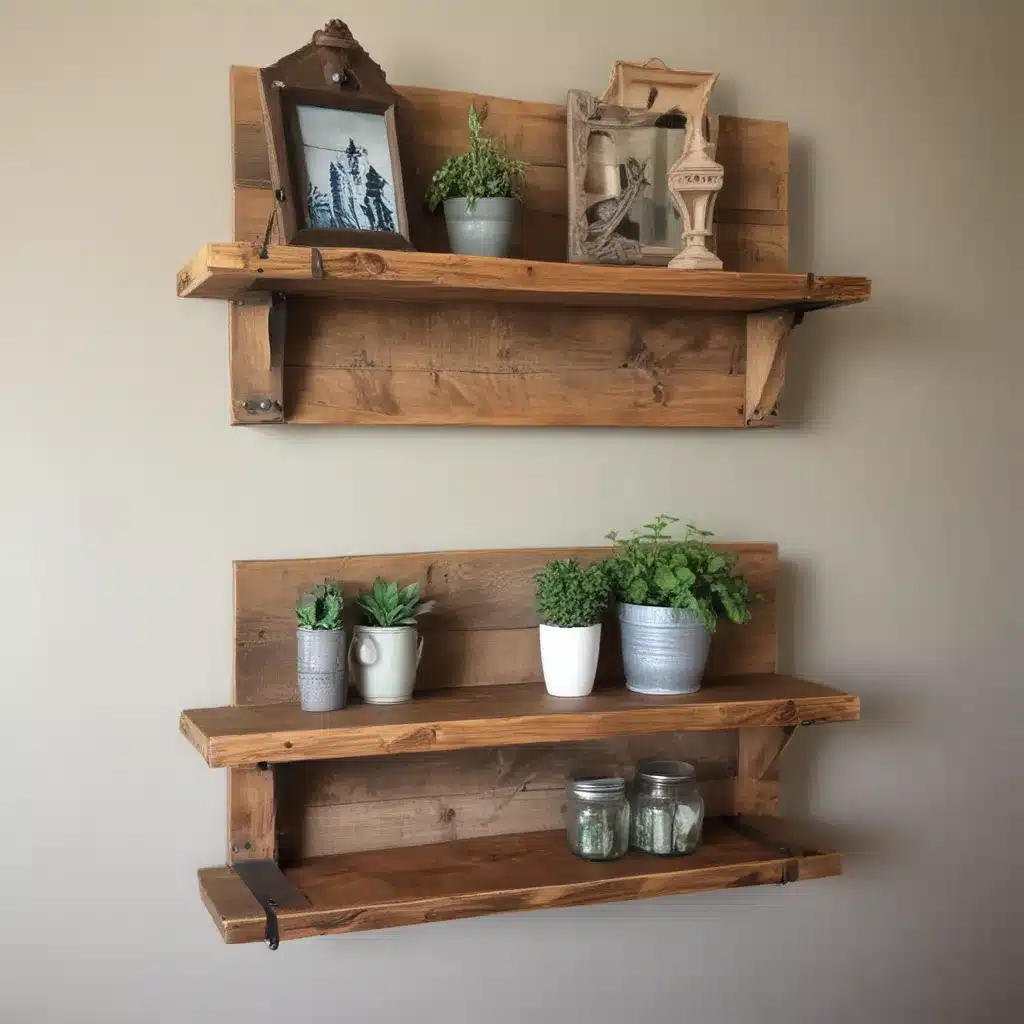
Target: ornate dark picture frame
{"points": [[353, 202]]}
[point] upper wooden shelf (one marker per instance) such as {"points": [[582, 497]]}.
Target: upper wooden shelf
{"points": [[494, 874], [486, 716], [228, 270]]}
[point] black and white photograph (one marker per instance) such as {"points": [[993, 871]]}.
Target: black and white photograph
{"points": [[350, 179]]}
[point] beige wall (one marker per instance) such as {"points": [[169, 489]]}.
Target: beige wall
{"points": [[896, 501]]}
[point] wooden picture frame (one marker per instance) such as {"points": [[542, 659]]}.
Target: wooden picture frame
{"points": [[604, 183], [326, 194]]}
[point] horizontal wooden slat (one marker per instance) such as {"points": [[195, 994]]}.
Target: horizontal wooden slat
{"points": [[226, 270], [483, 630], [468, 878], [576, 398], [354, 334], [497, 715], [340, 806]]}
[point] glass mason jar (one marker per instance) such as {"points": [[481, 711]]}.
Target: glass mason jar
{"points": [[597, 816], [667, 808]]}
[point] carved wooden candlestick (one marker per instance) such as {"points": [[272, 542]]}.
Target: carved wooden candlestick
{"points": [[694, 183]]}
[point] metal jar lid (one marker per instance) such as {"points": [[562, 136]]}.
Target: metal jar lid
{"points": [[596, 787], [666, 771]]}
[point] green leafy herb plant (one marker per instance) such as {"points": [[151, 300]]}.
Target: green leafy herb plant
{"points": [[653, 568], [569, 595], [485, 172], [387, 605], [321, 606]]}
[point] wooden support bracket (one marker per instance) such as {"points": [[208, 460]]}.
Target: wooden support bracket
{"points": [[252, 814], [757, 778], [257, 338], [767, 337]]}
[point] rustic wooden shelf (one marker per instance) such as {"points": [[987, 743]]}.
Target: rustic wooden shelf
{"points": [[487, 716], [228, 270], [495, 874]]}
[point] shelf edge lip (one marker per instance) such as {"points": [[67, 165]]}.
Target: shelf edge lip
{"points": [[226, 265], [290, 745]]}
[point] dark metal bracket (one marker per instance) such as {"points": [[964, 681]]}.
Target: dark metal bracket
{"points": [[273, 892]]}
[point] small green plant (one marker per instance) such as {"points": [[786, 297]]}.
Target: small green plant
{"points": [[485, 172], [385, 605], [653, 568], [321, 606], [569, 595]]}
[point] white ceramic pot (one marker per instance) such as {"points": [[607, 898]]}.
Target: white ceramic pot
{"points": [[384, 660], [568, 656]]}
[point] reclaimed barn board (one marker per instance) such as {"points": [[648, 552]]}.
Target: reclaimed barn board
{"points": [[483, 630], [752, 211], [488, 716], [402, 374], [497, 874]]}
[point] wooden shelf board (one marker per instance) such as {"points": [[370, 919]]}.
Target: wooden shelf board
{"points": [[229, 270], [485, 716], [497, 874]]}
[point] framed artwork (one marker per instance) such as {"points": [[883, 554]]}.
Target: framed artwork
{"points": [[334, 161], [621, 150]]}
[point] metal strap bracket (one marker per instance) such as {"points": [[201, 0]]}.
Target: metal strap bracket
{"points": [[273, 892]]}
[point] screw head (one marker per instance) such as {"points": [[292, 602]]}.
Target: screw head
{"points": [[336, 77], [265, 404]]}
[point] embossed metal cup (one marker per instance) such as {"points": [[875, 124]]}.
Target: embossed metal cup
{"points": [[323, 680], [664, 650]]}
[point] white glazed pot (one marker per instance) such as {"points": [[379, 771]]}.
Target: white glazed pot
{"points": [[384, 660], [568, 656]]}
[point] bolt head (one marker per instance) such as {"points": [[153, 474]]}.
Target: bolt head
{"points": [[336, 77], [265, 404]]}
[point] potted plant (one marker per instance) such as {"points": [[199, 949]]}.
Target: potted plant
{"points": [[480, 190], [571, 601], [670, 595], [386, 650], [321, 648]]}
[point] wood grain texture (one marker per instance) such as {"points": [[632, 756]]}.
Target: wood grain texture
{"points": [[483, 630], [256, 338], [252, 814], [467, 878], [227, 270], [432, 126], [487, 716], [359, 362], [767, 343], [758, 778], [341, 806]]}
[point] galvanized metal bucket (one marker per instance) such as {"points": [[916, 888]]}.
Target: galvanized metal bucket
{"points": [[664, 650], [486, 230], [323, 680]]}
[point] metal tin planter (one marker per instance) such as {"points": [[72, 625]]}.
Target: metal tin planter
{"points": [[486, 230], [323, 682], [664, 650]]}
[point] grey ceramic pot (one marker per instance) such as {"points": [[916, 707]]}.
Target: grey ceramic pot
{"points": [[487, 230], [323, 680], [664, 650]]}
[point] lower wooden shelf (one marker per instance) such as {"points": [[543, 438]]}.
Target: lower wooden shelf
{"points": [[497, 874]]}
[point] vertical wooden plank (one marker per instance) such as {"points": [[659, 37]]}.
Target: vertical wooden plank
{"points": [[252, 814], [758, 781], [256, 332]]}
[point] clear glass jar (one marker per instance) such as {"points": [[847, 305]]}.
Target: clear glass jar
{"points": [[597, 816], [667, 808]]}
